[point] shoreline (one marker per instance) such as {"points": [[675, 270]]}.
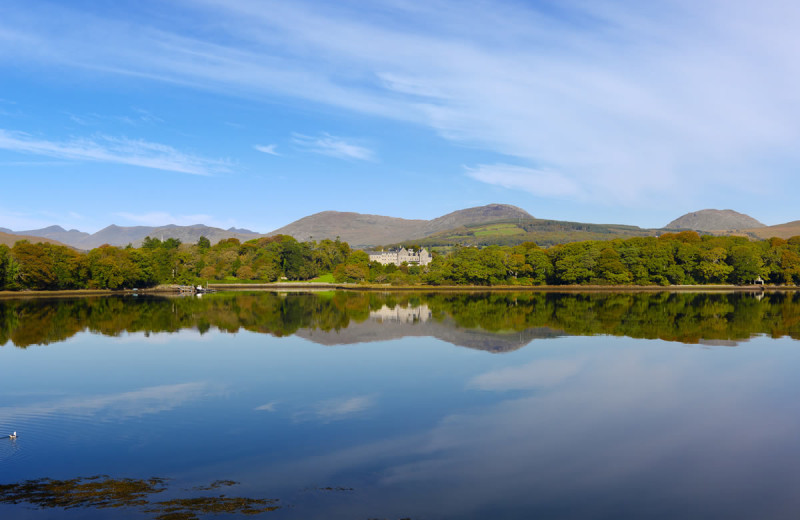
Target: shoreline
{"points": [[301, 286], [168, 290], [165, 290]]}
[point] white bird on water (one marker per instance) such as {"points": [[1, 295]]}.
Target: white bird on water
{"points": [[13, 435]]}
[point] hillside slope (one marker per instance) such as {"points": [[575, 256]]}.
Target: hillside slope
{"points": [[9, 239], [361, 230], [516, 231], [714, 220], [357, 229], [785, 231], [58, 233], [477, 215]]}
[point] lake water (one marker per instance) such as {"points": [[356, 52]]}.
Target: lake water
{"points": [[426, 406]]}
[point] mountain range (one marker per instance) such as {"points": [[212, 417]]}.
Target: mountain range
{"points": [[490, 224], [122, 236]]}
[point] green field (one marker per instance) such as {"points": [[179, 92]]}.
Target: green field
{"points": [[498, 230]]}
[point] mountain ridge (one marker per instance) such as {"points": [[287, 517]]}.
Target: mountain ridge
{"points": [[501, 224], [363, 230]]}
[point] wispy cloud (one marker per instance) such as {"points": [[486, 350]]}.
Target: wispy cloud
{"points": [[33, 163], [538, 182], [332, 146], [138, 117], [118, 150], [267, 148], [628, 100], [146, 116]]}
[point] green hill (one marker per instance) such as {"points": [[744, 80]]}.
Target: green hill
{"points": [[516, 231]]}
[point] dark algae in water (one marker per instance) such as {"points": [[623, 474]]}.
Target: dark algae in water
{"points": [[103, 492]]}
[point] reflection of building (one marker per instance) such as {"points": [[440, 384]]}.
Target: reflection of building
{"points": [[405, 314], [410, 256]]}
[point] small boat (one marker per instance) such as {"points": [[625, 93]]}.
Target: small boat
{"points": [[13, 435]]}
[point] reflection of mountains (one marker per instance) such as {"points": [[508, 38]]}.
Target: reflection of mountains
{"points": [[400, 322]]}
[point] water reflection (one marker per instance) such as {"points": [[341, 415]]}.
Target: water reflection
{"points": [[593, 423], [114, 406], [497, 322]]}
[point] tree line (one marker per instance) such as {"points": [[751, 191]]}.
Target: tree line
{"points": [[44, 266], [684, 258]]}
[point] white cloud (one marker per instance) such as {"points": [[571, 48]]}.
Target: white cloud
{"points": [[538, 182], [118, 150], [268, 148], [332, 146]]}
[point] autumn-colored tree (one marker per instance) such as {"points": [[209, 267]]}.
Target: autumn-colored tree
{"points": [[245, 272]]}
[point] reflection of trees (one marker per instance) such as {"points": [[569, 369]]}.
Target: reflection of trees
{"points": [[102, 492], [686, 317]]}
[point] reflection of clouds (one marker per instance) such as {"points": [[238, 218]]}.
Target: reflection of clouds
{"points": [[149, 400], [626, 430], [542, 373], [337, 409], [269, 407]]}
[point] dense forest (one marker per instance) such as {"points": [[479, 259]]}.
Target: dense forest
{"points": [[671, 259]]}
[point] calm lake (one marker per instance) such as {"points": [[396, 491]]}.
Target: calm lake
{"points": [[348, 405]]}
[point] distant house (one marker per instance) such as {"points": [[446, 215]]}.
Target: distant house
{"points": [[397, 257]]}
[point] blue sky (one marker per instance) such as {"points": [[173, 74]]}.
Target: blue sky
{"points": [[254, 113]]}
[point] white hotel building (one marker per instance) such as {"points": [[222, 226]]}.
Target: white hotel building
{"points": [[410, 256]]}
